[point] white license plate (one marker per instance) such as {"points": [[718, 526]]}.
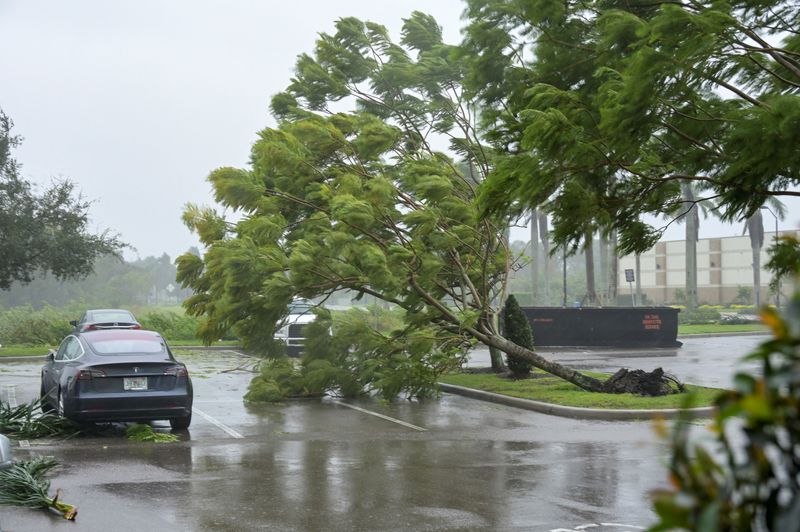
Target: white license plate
{"points": [[134, 383]]}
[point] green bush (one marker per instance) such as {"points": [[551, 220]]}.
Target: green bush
{"points": [[25, 326], [170, 324], [698, 316], [517, 329]]}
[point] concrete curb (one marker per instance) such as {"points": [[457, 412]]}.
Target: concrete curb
{"points": [[576, 412]]}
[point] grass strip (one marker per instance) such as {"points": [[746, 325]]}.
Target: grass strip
{"points": [[716, 328], [557, 391]]}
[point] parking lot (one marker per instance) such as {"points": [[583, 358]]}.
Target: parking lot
{"points": [[326, 464]]}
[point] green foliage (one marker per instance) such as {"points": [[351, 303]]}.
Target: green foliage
{"points": [[750, 478], [359, 200], [556, 391], [698, 316], [744, 294], [784, 260], [23, 484], [27, 421], [364, 350], [26, 326], [599, 119], [142, 432], [48, 326], [44, 231], [517, 328], [278, 379], [173, 325]]}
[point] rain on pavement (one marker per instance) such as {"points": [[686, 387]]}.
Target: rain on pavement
{"points": [[315, 464]]}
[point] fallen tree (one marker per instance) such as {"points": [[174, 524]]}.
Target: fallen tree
{"points": [[362, 201]]}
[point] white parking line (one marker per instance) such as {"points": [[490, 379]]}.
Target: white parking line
{"points": [[218, 423], [11, 392], [387, 418]]}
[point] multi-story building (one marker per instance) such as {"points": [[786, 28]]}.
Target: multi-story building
{"points": [[723, 266]]}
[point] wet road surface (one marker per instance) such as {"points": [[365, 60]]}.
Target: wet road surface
{"points": [[448, 464]]}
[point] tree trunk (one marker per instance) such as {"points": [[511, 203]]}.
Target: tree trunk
{"points": [[692, 220], [638, 280], [544, 236], [591, 293], [755, 227], [613, 287], [603, 274], [568, 374], [535, 257]]}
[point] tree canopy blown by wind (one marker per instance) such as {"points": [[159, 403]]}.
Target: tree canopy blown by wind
{"points": [[363, 200], [602, 109]]}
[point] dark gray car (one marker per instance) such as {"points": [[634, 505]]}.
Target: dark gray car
{"points": [[117, 375]]}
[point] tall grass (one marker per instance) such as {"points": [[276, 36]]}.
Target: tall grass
{"points": [[25, 326]]}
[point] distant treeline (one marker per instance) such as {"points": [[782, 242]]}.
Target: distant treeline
{"points": [[114, 283]]}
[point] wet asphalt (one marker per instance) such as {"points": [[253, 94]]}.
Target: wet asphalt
{"points": [[448, 464]]}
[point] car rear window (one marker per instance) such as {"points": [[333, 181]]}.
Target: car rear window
{"points": [[115, 343], [110, 317]]}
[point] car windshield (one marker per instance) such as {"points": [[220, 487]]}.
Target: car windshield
{"points": [[104, 344], [110, 316], [299, 307]]}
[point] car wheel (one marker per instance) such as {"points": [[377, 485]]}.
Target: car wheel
{"points": [[181, 423], [44, 401]]}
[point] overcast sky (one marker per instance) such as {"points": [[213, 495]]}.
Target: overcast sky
{"points": [[138, 101]]}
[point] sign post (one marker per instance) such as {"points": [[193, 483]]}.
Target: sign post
{"points": [[630, 278]]}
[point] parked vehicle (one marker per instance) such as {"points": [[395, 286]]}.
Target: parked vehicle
{"points": [[300, 314], [109, 318], [117, 375], [6, 459]]}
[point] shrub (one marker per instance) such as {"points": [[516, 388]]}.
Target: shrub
{"points": [[170, 324], [698, 316], [517, 329], [25, 326]]}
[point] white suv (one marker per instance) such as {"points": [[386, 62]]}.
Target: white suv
{"points": [[300, 314]]}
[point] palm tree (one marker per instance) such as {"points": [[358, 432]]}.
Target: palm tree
{"points": [[534, 243], [754, 226], [690, 215]]}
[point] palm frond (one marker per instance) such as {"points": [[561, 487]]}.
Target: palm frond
{"points": [[23, 484]]}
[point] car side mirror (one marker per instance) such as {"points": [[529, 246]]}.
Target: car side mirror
{"points": [[51, 355], [74, 323]]}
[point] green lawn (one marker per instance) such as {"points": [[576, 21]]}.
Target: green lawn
{"points": [[557, 391], [713, 328]]}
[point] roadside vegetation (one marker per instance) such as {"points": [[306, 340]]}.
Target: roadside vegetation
{"points": [[26, 331], [541, 387]]}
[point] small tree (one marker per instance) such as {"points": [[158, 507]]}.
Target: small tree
{"points": [[517, 329]]}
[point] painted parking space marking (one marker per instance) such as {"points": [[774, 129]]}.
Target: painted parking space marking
{"points": [[11, 394], [225, 428], [376, 414]]}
